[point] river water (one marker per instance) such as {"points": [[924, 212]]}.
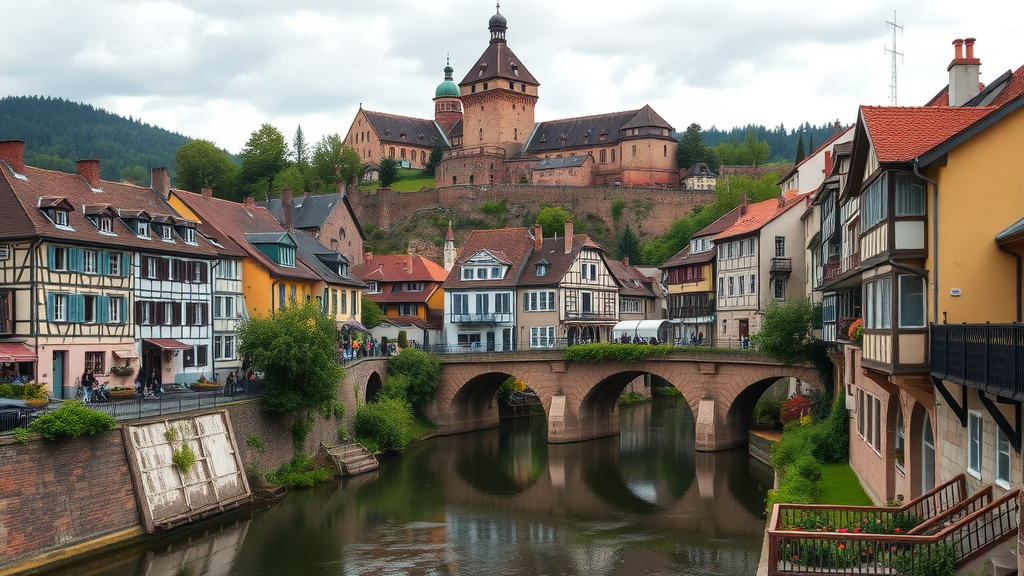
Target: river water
{"points": [[497, 502]]}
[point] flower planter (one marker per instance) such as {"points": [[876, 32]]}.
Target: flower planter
{"points": [[123, 394], [207, 387], [37, 402]]}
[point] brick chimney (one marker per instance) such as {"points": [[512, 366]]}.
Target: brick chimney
{"points": [[408, 265], [963, 73], [625, 261], [89, 169], [568, 236], [342, 187], [13, 153], [287, 209], [207, 192], [368, 257], [249, 203], [538, 237], [162, 182]]}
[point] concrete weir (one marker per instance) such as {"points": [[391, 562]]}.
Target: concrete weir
{"points": [[167, 496]]}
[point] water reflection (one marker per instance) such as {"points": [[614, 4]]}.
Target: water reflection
{"points": [[501, 501]]}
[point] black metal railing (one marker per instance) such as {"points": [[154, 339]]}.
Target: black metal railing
{"points": [[985, 356], [683, 312]]}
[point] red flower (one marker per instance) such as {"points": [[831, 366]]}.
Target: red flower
{"points": [[795, 557], [842, 530], [842, 546], [856, 529], [898, 531]]}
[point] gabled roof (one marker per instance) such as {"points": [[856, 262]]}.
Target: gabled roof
{"points": [[228, 222], [589, 130], [685, 258], [753, 217], [317, 256], [21, 197], [552, 251], [416, 131], [720, 225], [700, 169], [498, 61], [510, 244], [900, 134], [566, 162], [632, 281], [805, 159], [311, 211], [395, 268]]}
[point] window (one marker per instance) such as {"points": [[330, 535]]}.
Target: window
{"points": [[780, 289], [354, 301], [589, 271], [149, 267], [60, 259], [495, 273], [223, 306], [460, 303], [539, 300], [634, 150], [293, 294], [751, 244], [89, 308], [483, 303], [909, 195], [115, 314], [901, 440], [59, 308], [974, 443], [171, 309], [780, 246], [334, 302], [1002, 458], [613, 154], [743, 285], [481, 273], [372, 288], [630, 306], [144, 313], [280, 296], [196, 314], [878, 309], [227, 270], [344, 303], [167, 233], [469, 340], [753, 284], [860, 412], [878, 424], [874, 203], [287, 256], [604, 156], [586, 302], [188, 235], [104, 224], [721, 286], [114, 263], [201, 354], [223, 347], [96, 361], [60, 218], [542, 270], [406, 309], [912, 301], [503, 303], [142, 229], [732, 287], [542, 336]]}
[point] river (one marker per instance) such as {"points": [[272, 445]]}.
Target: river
{"points": [[497, 502]]}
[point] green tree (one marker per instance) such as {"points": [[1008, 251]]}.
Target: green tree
{"points": [[751, 152], [295, 349], [265, 155], [628, 246], [388, 172], [137, 173], [372, 314], [691, 147], [290, 178], [333, 161], [800, 153], [200, 163], [552, 219], [299, 144], [423, 371], [436, 155], [787, 331]]}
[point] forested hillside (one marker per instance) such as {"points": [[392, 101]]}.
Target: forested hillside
{"points": [[782, 141], [57, 132]]}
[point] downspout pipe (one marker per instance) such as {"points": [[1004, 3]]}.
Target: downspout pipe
{"points": [[935, 242], [1017, 257]]}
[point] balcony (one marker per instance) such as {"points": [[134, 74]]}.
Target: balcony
{"points": [[988, 357], [685, 312], [782, 266], [491, 318], [591, 316]]}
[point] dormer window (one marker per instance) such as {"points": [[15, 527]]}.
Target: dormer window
{"points": [[60, 218], [166, 233], [142, 229], [342, 270], [372, 288], [188, 235], [105, 225], [287, 256], [542, 270]]}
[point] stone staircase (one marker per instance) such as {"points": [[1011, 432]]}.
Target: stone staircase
{"points": [[350, 458]]}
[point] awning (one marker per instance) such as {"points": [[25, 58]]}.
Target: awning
{"points": [[16, 352], [354, 324], [642, 328], [167, 343], [126, 354]]}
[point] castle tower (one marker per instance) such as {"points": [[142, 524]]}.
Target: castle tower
{"points": [[499, 95], [447, 105], [449, 249]]}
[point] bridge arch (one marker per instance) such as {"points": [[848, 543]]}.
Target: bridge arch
{"points": [[372, 388]]}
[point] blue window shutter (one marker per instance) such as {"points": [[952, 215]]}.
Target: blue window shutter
{"points": [[75, 312], [49, 302], [74, 260], [103, 265], [104, 309], [51, 255], [125, 263]]}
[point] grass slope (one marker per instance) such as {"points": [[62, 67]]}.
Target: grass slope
{"points": [[409, 180], [840, 486]]}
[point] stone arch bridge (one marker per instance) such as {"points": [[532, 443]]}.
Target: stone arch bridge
{"points": [[581, 399]]}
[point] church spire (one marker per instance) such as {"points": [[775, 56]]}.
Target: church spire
{"points": [[497, 24]]}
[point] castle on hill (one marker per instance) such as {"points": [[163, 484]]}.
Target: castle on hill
{"points": [[486, 126]]}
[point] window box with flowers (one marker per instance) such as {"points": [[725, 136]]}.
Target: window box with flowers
{"points": [[857, 330]]}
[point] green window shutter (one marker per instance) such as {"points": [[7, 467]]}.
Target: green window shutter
{"points": [[71, 314], [104, 309], [125, 263], [49, 302], [103, 263], [51, 255]]}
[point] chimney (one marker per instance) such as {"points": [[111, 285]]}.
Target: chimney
{"points": [[342, 187], [249, 203], [89, 170], [963, 73], [568, 236], [287, 209], [13, 153], [207, 192], [368, 257], [828, 163], [129, 181], [162, 182], [538, 237], [625, 261], [408, 266]]}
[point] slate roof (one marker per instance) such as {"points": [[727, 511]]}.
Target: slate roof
{"points": [[756, 216], [566, 162], [313, 210], [512, 245], [418, 131], [553, 252], [228, 222], [633, 282], [20, 216], [498, 61], [1014, 232], [901, 134], [685, 258], [313, 254], [587, 130], [700, 169]]}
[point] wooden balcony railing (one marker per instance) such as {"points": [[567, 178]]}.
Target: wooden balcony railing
{"points": [[985, 356], [707, 311], [781, 266], [949, 527]]}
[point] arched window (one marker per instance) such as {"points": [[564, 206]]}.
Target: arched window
{"points": [[391, 152], [403, 152], [454, 181], [470, 178], [481, 133], [423, 157]]}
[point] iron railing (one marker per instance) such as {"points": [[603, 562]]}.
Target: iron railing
{"points": [[985, 356], [591, 316], [490, 318], [682, 312]]}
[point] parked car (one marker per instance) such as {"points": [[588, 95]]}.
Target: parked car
{"points": [[14, 413]]}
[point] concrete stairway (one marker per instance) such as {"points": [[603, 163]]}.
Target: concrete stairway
{"points": [[350, 458]]}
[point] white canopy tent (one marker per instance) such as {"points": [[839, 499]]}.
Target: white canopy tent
{"points": [[646, 329]]}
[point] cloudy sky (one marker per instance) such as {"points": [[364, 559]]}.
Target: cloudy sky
{"points": [[217, 69]]}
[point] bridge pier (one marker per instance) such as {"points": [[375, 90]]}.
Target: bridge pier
{"points": [[565, 425], [712, 434]]}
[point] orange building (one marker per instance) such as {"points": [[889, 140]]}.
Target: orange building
{"points": [[408, 290]]}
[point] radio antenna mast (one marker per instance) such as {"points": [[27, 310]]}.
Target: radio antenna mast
{"points": [[892, 51]]}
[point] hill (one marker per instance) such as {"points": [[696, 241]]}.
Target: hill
{"points": [[782, 142], [58, 132]]}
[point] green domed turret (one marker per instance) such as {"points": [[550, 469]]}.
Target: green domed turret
{"points": [[448, 87]]}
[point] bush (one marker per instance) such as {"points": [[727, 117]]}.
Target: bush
{"points": [[423, 371], [384, 425], [795, 408], [768, 410], [807, 467], [396, 386], [793, 489], [300, 472], [630, 398], [665, 392], [184, 458], [301, 428], [937, 559], [795, 443], [832, 436], [625, 353], [72, 420], [29, 391], [403, 339]]}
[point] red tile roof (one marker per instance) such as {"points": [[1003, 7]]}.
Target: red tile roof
{"points": [[512, 245], [755, 216], [633, 282], [1013, 90], [553, 251], [394, 268], [900, 134]]}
